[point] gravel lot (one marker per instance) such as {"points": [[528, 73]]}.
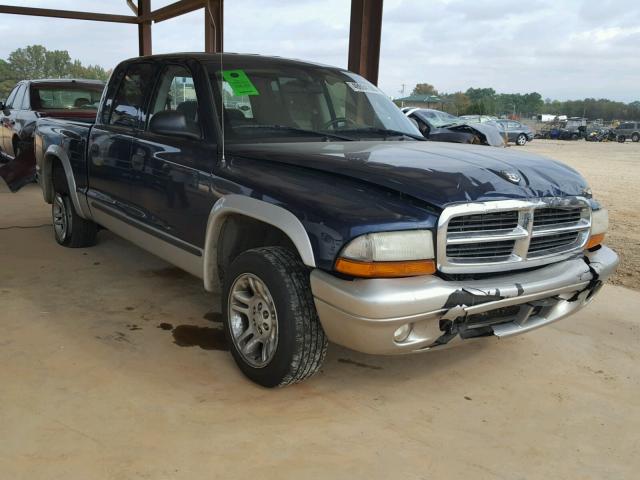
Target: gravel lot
{"points": [[613, 171]]}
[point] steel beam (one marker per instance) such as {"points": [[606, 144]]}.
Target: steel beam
{"points": [[144, 28], [47, 12], [172, 10], [364, 38], [214, 26]]}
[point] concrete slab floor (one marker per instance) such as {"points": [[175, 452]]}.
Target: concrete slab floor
{"points": [[92, 388]]}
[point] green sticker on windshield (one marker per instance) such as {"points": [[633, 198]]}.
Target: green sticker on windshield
{"points": [[239, 82]]}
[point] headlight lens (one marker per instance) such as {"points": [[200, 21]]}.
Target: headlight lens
{"points": [[599, 226], [599, 221], [391, 246], [389, 254]]}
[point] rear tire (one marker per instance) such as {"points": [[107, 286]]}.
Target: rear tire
{"points": [[521, 140], [270, 319], [69, 229], [635, 137]]}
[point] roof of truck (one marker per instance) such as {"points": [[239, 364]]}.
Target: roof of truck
{"points": [[65, 80], [201, 56]]}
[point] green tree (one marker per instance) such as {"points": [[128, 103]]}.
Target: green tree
{"points": [[35, 61], [28, 62], [7, 79], [424, 89]]}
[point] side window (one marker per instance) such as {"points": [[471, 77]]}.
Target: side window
{"points": [[17, 101], [12, 96], [128, 104], [177, 92], [25, 104]]}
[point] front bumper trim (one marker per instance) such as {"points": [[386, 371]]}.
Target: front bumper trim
{"points": [[364, 314]]}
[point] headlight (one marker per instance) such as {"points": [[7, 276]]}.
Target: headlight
{"points": [[599, 226], [389, 254]]}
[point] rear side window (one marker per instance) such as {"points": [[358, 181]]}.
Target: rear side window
{"points": [[128, 108]]}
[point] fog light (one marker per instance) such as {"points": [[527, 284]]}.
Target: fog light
{"points": [[401, 334]]}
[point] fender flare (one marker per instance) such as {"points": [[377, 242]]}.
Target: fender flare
{"points": [[46, 178], [260, 210]]}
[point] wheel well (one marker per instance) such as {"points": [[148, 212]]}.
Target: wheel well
{"points": [[240, 233], [58, 176]]}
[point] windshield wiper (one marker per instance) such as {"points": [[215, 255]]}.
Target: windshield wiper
{"points": [[297, 130], [386, 132]]}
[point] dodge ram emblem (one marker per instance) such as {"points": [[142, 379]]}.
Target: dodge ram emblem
{"points": [[512, 177]]}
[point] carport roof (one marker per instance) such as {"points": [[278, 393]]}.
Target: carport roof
{"points": [[364, 33]]}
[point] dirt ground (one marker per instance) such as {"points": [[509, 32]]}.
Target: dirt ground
{"points": [[613, 171], [113, 367]]}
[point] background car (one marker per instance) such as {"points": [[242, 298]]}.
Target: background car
{"points": [[628, 130], [478, 118], [29, 100], [516, 132], [439, 126]]}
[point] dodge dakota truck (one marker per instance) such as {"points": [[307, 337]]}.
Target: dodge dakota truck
{"points": [[305, 199]]}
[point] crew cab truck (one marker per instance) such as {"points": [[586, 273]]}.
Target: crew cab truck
{"points": [[314, 207]]}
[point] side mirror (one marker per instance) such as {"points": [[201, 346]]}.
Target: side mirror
{"points": [[171, 122]]}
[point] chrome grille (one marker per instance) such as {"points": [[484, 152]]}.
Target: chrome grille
{"points": [[556, 216], [510, 234], [489, 221], [483, 250], [551, 242]]}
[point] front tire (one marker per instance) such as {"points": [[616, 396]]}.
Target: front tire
{"points": [[621, 138], [270, 319], [521, 140], [69, 229]]}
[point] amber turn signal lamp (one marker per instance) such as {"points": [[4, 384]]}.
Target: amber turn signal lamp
{"points": [[595, 240], [409, 268]]}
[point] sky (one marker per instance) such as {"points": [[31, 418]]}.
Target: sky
{"points": [[567, 49]]}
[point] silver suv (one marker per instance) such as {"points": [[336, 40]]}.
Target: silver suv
{"points": [[628, 130]]}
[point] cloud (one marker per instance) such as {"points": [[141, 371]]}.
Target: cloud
{"points": [[568, 49]]}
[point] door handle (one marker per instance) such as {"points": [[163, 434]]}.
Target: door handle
{"points": [[137, 160]]}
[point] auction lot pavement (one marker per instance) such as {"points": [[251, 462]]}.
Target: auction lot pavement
{"points": [[92, 386]]}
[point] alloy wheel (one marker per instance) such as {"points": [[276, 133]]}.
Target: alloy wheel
{"points": [[253, 321], [61, 217]]}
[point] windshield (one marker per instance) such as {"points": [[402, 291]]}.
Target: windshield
{"points": [[66, 98], [286, 101], [436, 118]]}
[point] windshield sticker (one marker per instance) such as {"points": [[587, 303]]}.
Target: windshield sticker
{"points": [[364, 87], [239, 82]]}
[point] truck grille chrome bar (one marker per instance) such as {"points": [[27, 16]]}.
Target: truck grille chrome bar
{"points": [[511, 234]]}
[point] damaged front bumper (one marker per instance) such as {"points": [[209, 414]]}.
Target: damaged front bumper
{"points": [[364, 315]]}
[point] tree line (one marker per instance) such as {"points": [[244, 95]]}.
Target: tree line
{"points": [[485, 101], [35, 61]]}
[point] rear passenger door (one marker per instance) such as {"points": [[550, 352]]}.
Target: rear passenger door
{"points": [[172, 173], [109, 158]]}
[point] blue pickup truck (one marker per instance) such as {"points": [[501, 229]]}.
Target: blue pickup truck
{"points": [[313, 207]]}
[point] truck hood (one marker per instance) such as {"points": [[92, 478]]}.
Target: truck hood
{"points": [[437, 173]]}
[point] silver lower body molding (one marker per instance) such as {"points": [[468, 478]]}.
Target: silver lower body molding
{"points": [[364, 315]]}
